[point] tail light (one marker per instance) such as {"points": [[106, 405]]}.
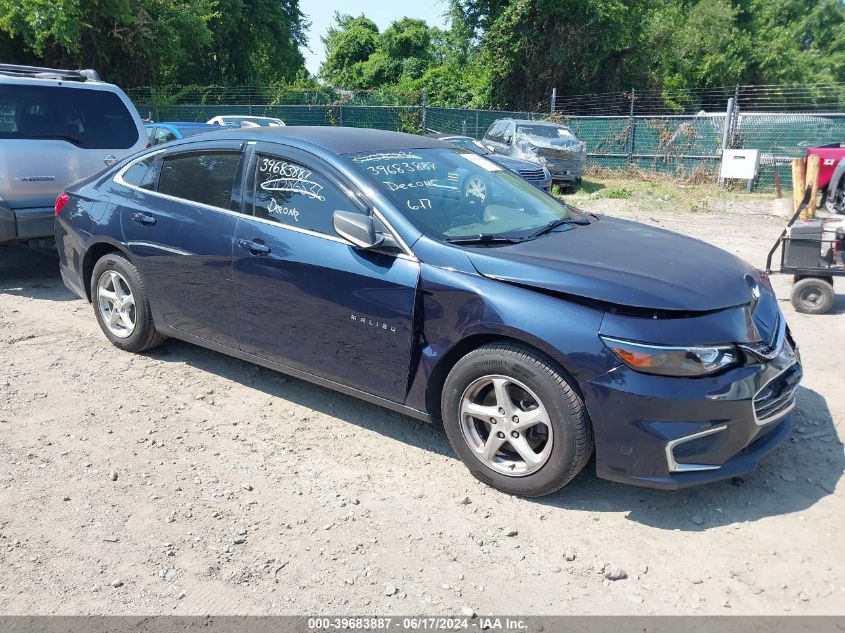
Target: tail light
{"points": [[61, 201], [149, 144]]}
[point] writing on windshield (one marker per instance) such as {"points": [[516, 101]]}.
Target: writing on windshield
{"points": [[450, 193]]}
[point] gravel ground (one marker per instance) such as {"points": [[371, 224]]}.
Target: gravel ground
{"points": [[187, 482]]}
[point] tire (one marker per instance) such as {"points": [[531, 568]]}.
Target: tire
{"points": [[834, 198], [519, 377], [813, 295], [114, 275]]}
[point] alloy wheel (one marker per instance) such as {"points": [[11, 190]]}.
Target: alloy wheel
{"points": [[506, 425], [475, 188], [835, 201], [116, 303]]}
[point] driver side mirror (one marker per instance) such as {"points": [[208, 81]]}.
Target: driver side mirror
{"points": [[357, 228]]}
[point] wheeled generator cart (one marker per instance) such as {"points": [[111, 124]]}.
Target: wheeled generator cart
{"points": [[814, 254]]}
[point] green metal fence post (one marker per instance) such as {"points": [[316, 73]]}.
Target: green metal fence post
{"points": [[632, 127], [423, 109]]}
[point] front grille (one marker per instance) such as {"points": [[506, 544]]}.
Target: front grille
{"points": [[533, 175], [778, 396]]}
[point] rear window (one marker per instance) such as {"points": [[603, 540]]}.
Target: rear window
{"points": [[143, 172], [90, 119]]}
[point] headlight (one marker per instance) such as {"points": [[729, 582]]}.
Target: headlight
{"points": [[673, 361]]}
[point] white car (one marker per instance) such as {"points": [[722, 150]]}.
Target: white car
{"points": [[237, 120]]}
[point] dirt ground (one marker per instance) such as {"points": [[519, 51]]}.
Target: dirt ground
{"points": [[187, 482]]}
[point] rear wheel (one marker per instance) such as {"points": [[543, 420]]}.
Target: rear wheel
{"points": [[834, 200], [515, 421], [813, 295], [121, 305]]}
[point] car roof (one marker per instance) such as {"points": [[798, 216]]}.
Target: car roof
{"points": [[442, 136], [246, 116], [210, 126], [530, 122], [340, 140], [57, 83]]}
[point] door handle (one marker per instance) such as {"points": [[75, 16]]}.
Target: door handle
{"points": [[254, 246], [144, 218]]}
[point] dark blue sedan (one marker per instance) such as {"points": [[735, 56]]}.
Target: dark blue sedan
{"points": [[361, 261], [530, 171]]}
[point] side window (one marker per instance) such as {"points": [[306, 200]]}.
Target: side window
{"points": [[493, 132], [294, 195], [204, 177], [508, 134], [163, 135], [87, 118], [143, 173], [8, 110]]}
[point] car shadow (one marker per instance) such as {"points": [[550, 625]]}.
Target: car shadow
{"points": [[397, 426], [588, 186], [32, 272], [795, 476], [838, 305]]}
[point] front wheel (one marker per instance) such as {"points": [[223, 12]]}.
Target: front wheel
{"points": [[813, 295], [515, 421]]}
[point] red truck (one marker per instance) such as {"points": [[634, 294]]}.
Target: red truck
{"points": [[831, 175]]}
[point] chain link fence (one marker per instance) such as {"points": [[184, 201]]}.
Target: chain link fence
{"points": [[681, 132]]}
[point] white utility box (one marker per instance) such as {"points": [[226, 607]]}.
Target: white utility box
{"points": [[742, 164]]}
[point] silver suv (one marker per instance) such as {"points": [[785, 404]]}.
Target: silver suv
{"points": [[554, 146], [56, 126]]}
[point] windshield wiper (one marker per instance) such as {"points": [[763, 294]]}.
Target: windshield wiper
{"points": [[551, 226], [483, 239]]}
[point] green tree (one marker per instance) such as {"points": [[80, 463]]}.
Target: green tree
{"points": [[576, 46], [349, 45], [253, 42], [149, 42], [358, 56], [797, 41], [128, 42]]}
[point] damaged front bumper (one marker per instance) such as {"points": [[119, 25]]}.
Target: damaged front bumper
{"points": [[666, 432], [565, 169]]}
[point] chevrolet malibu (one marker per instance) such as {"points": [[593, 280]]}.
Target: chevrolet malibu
{"points": [[355, 259]]}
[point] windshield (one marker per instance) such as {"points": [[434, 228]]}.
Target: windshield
{"points": [[544, 131], [451, 194], [468, 143]]}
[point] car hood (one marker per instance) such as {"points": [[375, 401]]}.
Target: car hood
{"points": [[514, 164], [545, 146], [623, 263]]}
